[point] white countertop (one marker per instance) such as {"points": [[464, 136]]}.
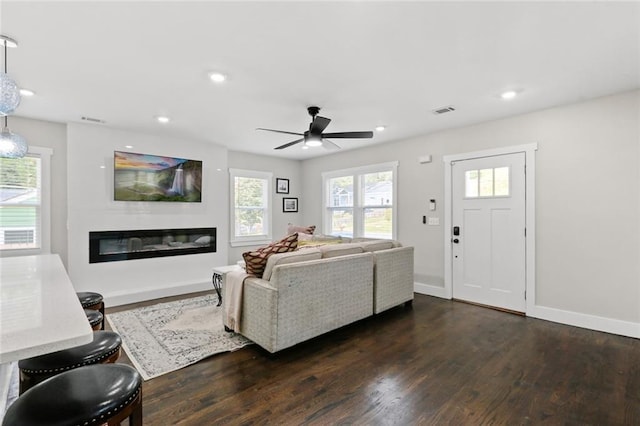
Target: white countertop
{"points": [[39, 308]]}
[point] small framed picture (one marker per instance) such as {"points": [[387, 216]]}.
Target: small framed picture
{"points": [[290, 205], [282, 186]]}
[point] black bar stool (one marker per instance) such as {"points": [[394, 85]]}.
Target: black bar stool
{"points": [[91, 300], [91, 395], [95, 318], [105, 348]]}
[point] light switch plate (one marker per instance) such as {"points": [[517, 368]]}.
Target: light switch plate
{"points": [[434, 221]]}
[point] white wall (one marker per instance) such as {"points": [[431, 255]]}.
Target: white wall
{"points": [[51, 135], [587, 195], [281, 168], [91, 208]]}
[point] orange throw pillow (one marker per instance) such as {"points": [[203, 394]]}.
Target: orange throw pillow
{"points": [[256, 261]]}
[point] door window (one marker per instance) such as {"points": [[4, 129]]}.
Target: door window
{"points": [[485, 183]]}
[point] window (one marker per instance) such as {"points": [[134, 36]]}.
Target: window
{"points": [[251, 207], [360, 202], [487, 183], [24, 203]]}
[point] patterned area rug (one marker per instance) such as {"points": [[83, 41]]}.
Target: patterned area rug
{"points": [[168, 336]]}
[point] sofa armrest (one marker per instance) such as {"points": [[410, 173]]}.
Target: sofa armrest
{"points": [[392, 278], [259, 312]]}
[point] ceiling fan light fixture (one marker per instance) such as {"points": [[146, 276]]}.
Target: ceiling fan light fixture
{"points": [[313, 143]]}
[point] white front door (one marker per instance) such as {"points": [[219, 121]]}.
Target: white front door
{"points": [[488, 234]]}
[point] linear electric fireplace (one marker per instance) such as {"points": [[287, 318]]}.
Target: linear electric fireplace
{"points": [[112, 246]]}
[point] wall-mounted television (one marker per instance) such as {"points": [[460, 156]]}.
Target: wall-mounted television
{"points": [[145, 177]]}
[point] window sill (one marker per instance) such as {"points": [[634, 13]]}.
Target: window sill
{"points": [[245, 243]]}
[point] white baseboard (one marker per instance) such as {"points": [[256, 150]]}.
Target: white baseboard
{"points": [[430, 290], [576, 319], [592, 322], [139, 295]]}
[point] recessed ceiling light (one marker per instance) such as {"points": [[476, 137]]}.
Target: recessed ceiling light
{"points": [[217, 77], [380, 128], [163, 119], [509, 94], [27, 92], [103, 167], [305, 147], [128, 146]]}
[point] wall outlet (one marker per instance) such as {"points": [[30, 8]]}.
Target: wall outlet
{"points": [[434, 221]]}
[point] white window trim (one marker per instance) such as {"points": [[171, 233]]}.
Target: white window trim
{"points": [[256, 239], [355, 171], [45, 205]]}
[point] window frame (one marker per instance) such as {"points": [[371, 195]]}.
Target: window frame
{"points": [[237, 240], [358, 209], [44, 234]]}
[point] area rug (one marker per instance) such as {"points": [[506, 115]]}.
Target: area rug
{"points": [[168, 336]]}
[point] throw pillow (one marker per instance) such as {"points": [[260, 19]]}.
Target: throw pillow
{"points": [[304, 229], [255, 261]]}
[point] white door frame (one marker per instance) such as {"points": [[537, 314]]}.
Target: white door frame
{"points": [[530, 213]]}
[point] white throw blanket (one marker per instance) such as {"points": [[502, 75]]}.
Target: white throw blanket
{"points": [[234, 283]]}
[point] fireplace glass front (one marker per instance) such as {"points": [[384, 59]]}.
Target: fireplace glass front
{"points": [[111, 246]]}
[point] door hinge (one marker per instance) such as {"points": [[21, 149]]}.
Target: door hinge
{"points": [[525, 232], [525, 295]]}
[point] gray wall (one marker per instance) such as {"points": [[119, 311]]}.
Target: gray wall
{"points": [[281, 168], [51, 135], [587, 191], [91, 207]]}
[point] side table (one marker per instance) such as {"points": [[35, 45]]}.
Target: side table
{"points": [[216, 278]]}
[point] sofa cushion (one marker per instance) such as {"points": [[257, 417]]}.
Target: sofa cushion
{"points": [[289, 257], [376, 245], [340, 250], [255, 261]]}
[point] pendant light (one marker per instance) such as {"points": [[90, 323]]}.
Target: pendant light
{"points": [[9, 90], [12, 145]]}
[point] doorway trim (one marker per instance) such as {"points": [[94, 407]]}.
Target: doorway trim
{"points": [[530, 215]]}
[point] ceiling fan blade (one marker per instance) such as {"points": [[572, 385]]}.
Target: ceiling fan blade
{"points": [[287, 145], [318, 125], [348, 135], [329, 146], [280, 131]]}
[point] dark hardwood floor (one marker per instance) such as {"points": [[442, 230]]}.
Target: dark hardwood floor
{"points": [[440, 362]]}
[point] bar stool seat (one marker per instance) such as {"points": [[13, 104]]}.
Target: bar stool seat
{"points": [[91, 395], [95, 318], [105, 348], [91, 300]]}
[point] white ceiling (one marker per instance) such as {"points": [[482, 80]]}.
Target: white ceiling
{"points": [[365, 63]]}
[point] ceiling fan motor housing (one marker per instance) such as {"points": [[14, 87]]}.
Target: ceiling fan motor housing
{"points": [[313, 110]]}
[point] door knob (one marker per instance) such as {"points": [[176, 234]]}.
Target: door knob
{"points": [[455, 241]]}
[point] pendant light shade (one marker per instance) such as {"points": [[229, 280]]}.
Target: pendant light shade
{"points": [[9, 90], [9, 95], [12, 145]]}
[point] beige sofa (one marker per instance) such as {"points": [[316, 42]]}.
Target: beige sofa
{"points": [[306, 293]]}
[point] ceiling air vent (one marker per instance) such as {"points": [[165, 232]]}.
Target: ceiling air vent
{"points": [[443, 110], [93, 120]]}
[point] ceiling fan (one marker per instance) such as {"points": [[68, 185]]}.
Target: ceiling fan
{"points": [[315, 137]]}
